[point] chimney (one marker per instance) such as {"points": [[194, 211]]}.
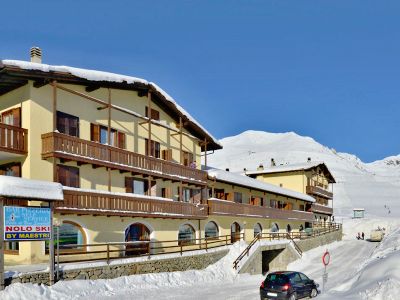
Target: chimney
{"points": [[273, 162], [260, 167], [227, 169], [36, 55], [309, 159]]}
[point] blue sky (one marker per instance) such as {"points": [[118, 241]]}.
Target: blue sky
{"points": [[326, 69]]}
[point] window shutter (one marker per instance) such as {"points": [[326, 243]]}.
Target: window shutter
{"points": [[146, 113], [95, 132], [147, 147], [128, 184], [74, 176], [17, 116], [121, 140]]}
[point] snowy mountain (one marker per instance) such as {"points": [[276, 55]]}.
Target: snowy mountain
{"points": [[373, 186]]}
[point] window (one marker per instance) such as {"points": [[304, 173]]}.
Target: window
{"points": [[68, 176], [304, 277], [235, 232], [167, 154], [288, 228], [166, 192], [295, 279], [274, 204], [257, 229], [135, 233], [287, 206], [238, 197], [301, 207], [67, 124], [138, 186], [155, 114], [219, 194], [12, 117], [11, 247], [187, 158], [211, 230], [99, 133], [13, 169], [190, 195], [154, 148], [274, 227], [70, 235], [186, 235]]}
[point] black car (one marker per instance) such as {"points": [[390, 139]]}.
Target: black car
{"points": [[287, 285]]}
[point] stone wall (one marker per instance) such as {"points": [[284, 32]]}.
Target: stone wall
{"points": [[196, 262], [321, 240]]}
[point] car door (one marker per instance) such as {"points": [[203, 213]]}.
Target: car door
{"points": [[298, 284], [307, 284]]}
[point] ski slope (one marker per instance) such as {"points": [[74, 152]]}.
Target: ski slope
{"points": [[371, 186]]}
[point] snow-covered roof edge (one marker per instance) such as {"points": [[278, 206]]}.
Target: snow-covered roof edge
{"points": [[256, 184], [17, 187], [94, 75], [290, 168]]}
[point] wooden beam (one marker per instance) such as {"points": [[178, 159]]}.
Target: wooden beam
{"points": [[40, 83]]}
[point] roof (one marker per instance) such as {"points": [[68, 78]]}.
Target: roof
{"points": [[241, 180], [17, 187], [16, 73], [292, 168]]}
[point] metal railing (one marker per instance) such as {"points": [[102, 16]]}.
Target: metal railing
{"points": [[301, 235]]}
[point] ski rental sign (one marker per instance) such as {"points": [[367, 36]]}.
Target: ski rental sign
{"points": [[27, 223]]}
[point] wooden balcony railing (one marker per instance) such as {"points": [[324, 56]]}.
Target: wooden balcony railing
{"points": [[13, 139], [316, 190], [221, 207], [109, 204], [319, 208], [63, 146]]}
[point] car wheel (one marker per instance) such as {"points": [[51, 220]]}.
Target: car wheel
{"points": [[313, 293], [293, 296]]}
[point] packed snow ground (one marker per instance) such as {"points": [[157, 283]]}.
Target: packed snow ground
{"points": [[358, 270]]}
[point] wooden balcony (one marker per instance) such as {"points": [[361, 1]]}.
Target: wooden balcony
{"points": [[13, 139], [319, 208], [316, 190], [86, 202], [67, 147], [228, 208]]}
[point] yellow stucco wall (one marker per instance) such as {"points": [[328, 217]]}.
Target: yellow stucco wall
{"points": [[295, 181]]}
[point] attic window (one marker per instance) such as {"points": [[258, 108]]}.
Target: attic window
{"points": [[155, 114]]}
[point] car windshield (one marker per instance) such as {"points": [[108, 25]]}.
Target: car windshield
{"points": [[278, 279]]}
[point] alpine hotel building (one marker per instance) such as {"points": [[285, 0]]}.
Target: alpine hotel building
{"points": [[129, 160]]}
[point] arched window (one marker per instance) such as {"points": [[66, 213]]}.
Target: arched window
{"points": [[257, 229], [274, 227], [186, 235], [137, 232], [70, 235], [235, 232], [211, 230], [288, 228]]}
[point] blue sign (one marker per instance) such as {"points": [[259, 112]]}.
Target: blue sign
{"points": [[27, 223]]}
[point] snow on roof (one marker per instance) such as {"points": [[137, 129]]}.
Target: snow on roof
{"points": [[94, 75], [286, 168], [32, 189], [256, 184], [358, 209]]}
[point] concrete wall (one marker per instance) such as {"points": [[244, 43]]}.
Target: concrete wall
{"points": [[288, 254]]}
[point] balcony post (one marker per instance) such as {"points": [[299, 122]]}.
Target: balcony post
{"points": [[205, 152], [149, 121], [109, 136], [180, 141], [54, 126]]}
